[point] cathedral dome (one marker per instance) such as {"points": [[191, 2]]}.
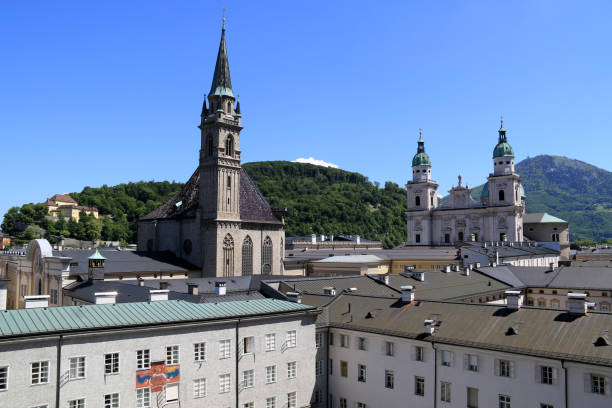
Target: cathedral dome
{"points": [[421, 159], [484, 194], [503, 149]]}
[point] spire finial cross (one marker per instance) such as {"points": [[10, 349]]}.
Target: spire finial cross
{"points": [[501, 119], [224, 10], [420, 132]]}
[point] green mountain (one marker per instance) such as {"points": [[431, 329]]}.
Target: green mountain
{"points": [[324, 200]]}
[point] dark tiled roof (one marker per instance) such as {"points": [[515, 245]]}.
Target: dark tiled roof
{"points": [[253, 205], [541, 332], [235, 284]]}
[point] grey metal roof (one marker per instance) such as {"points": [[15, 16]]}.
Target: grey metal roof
{"points": [[350, 259], [207, 285], [541, 332], [315, 285], [537, 218], [507, 251], [405, 253], [22, 322]]}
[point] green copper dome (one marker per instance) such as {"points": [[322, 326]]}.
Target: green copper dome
{"points": [[421, 158], [503, 149], [484, 194]]}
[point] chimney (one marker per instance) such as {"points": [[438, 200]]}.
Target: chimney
{"points": [[140, 282], [407, 293], [447, 269], [157, 295], [358, 239], [329, 290], [3, 292], [163, 285], [294, 297], [106, 298], [577, 303], [192, 288], [513, 299], [313, 238], [384, 278], [220, 288], [497, 256], [552, 266], [420, 276], [466, 271], [485, 245], [429, 326], [36, 301], [493, 264]]}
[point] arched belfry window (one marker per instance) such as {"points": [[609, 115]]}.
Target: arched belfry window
{"points": [[229, 107], [266, 257], [501, 195], [417, 201], [209, 144], [247, 256], [229, 146], [228, 256]]}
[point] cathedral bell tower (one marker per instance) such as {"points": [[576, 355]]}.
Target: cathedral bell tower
{"points": [[220, 145]]}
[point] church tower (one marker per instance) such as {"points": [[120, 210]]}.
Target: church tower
{"points": [[422, 197], [220, 146]]}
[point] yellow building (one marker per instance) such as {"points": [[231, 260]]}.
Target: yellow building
{"points": [[62, 205]]}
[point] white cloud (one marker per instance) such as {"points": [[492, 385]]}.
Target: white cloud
{"points": [[312, 160]]}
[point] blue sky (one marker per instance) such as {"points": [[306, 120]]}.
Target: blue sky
{"points": [[96, 92]]}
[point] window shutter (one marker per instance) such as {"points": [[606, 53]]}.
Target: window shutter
{"points": [[172, 393], [555, 374], [496, 367], [466, 361], [587, 383], [512, 370]]}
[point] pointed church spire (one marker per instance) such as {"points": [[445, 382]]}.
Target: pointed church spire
{"points": [[238, 105], [222, 83], [204, 108]]}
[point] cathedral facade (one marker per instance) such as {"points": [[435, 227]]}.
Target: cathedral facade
{"points": [[496, 216], [220, 221]]}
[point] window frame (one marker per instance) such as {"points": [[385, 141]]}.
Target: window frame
{"points": [[40, 362], [270, 341], [143, 362], [4, 384], [222, 345], [197, 385], [248, 378], [419, 386], [389, 379], [223, 387], [291, 370], [144, 400], [112, 403], [170, 353], [445, 391], [111, 364], [291, 339], [362, 373], [271, 374], [200, 352], [84, 368]]}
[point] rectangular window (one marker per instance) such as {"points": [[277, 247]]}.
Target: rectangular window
{"points": [[504, 368], [447, 358], [172, 355], [270, 342], [446, 238], [317, 397], [542, 405], [343, 403], [331, 366], [292, 369], [472, 397], [361, 405], [361, 373], [248, 405], [224, 349], [143, 359], [171, 392], [77, 368], [343, 369], [53, 296], [39, 372], [143, 398], [389, 379], [77, 403], [111, 363], [199, 388], [291, 338], [319, 340], [111, 400], [225, 383], [472, 363], [270, 374], [389, 348], [419, 386], [546, 375], [504, 401], [248, 378], [598, 384], [344, 340], [417, 238], [3, 378], [319, 368], [248, 345], [445, 391], [271, 402], [292, 400], [419, 353], [362, 343], [199, 352]]}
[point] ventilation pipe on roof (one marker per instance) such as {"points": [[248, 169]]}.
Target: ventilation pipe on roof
{"points": [[106, 298], [577, 303], [513, 299], [140, 282], [220, 288], [466, 271], [477, 265], [407, 293], [420, 276], [384, 278], [192, 288], [429, 326], [294, 297], [497, 256], [552, 266], [493, 264], [157, 295], [36, 301], [163, 285]]}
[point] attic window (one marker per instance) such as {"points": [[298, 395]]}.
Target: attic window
{"points": [[511, 331], [601, 341]]}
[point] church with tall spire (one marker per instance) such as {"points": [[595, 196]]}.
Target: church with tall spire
{"points": [[496, 215], [220, 221]]}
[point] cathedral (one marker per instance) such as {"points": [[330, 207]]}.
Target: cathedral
{"points": [[220, 221], [496, 216]]}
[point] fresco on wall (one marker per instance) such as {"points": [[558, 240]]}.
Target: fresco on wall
{"points": [[158, 376]]}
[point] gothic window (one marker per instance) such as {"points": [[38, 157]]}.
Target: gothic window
{"points": [[229, 146], [247, 256], [266, 257], [228, 256], [417, 201], [229, 181], [431, 200], [209, 144], [501, 195], [39, 286], [229, 107]]}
